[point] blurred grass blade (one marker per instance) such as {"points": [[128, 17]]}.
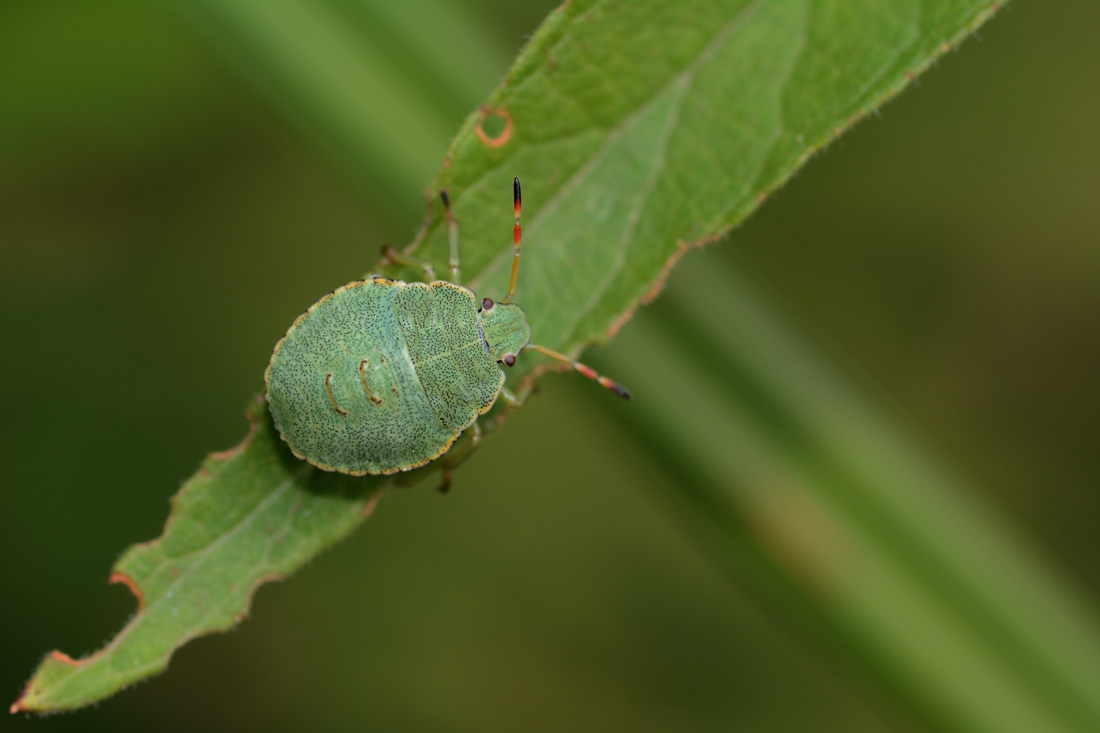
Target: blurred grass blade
{"points": [[454, 56], [803, 488], [349, 98]]}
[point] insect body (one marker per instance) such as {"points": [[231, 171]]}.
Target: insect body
{"points": [[383, 376]]}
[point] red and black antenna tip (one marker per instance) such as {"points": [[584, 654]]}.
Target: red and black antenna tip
{"points": [[616, 388], [517, 237], [517, 199]]}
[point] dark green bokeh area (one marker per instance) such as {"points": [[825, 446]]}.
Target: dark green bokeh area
{"points": [[162, 223]]}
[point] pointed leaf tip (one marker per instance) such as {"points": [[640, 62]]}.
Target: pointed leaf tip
{"points": [[249, 515]]}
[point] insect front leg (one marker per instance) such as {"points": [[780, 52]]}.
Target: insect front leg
{"points": [[511, 399], [515, 400]]}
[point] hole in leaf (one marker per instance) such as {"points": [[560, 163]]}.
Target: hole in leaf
{"points": [[495, 127]]}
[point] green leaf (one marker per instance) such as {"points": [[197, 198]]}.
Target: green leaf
{"points": [[643, 129], [639, 129], [249, 515]]}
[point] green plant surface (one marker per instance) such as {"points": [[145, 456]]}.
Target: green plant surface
{"points": [[640, 130], [644, 129], [250, 515], [815, 497]]}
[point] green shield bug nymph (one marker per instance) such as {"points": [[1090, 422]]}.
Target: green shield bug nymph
{"points": [[382, 376]]}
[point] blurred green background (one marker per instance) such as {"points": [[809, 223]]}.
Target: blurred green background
{"points": [[162, 223]]}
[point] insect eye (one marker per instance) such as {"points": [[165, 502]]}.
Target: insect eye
{"points": [[487, 304], [509, 360]]}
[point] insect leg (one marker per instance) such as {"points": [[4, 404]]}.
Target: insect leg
{"points": [[458, 454], [511, 402], [510, 398], [585, 370], [393, 257], [452, 237], [517, 237]]}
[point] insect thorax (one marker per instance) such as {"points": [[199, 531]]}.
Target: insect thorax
{"points": [[505, 328]]}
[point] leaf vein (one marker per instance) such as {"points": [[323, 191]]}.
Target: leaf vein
{"points": [[616, 133], [195, 561]]}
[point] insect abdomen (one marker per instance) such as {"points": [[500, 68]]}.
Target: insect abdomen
{"points": [[371, 415]]}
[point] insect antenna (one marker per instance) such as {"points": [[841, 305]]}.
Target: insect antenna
{"points": [[517, 237], [583, 369]]}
